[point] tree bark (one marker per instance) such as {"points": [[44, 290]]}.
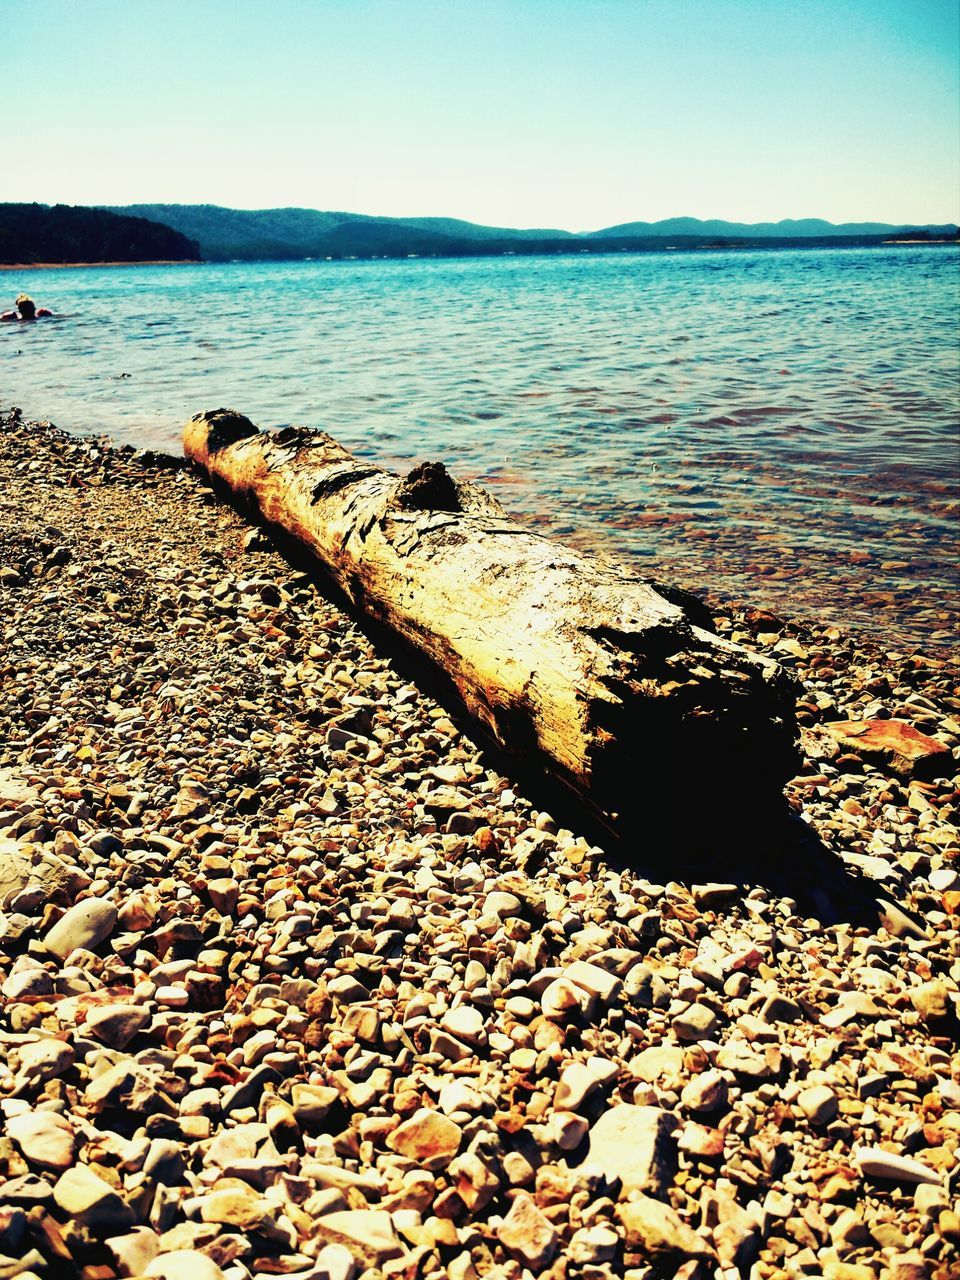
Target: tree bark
{"points": [[615, 683]]}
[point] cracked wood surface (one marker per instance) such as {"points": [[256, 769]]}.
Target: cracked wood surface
{"points": [[612, 681]]}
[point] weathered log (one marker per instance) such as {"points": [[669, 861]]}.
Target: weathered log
{"points": [[614, 683]]}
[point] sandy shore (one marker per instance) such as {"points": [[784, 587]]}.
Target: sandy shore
{"points": [[296, 980]]}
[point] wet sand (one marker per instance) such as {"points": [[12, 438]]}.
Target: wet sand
{"points": [[297, 979]]}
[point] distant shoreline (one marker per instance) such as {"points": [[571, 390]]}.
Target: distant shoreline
{"points": [[517, 250], [51, 266]]}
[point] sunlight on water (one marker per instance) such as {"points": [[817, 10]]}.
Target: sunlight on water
{"points": [[773, 427]]}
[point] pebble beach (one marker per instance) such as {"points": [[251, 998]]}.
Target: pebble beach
{"points": [[297, 979]]}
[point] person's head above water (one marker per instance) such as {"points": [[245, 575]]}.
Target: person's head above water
{"points": [[26, 309]]}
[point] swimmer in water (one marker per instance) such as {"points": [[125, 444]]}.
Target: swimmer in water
{"points": [[26, 309]]}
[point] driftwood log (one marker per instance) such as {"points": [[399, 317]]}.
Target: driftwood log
{"points": [[613, 683]]}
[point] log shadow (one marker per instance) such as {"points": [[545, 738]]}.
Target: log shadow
{"points": [[687, 834]]}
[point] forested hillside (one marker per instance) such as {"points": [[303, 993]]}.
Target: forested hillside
{"points": [[67, 233]]}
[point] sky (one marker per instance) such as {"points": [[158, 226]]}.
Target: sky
{"points": [[575, 114]]}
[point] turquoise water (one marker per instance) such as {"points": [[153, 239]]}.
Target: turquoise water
{"points": [[778, 427]]}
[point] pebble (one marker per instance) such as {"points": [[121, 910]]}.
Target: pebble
{"points": [[84, 926], [698, 1022], [428, 1137], [634, 1144], [46, 1139], [818, 1104], [875, 1162], [527, 1234], [659, 1232]]}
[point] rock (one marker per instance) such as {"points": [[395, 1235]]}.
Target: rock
{"points": [[465, 1023], [133, 1253], [895, 744], [698, 1022], [899, 922], [183, 1264], [659, 1231], [90, 1201], [334, 1262], [42, 1060], [699, 1140], [311, 1102], [818, 1104], [576, 1083], [16, 869], [429, 1138], [932, 1001], [874, 1162], [658, 1061], [129, 1086], [705, 1092], [635, 1145], [709, 896], [46, 1139], [527, 1234], [780, 1008], [116, 1024], [593, 1244], [84, 925], [241, 1209], [368, 1234]]}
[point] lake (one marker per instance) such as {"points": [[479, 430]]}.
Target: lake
{"points": [[774, 427]]}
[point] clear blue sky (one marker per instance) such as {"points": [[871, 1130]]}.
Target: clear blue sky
{"points": [[568, 113]]}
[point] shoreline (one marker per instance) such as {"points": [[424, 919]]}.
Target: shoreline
{"points": [[367, 992], [53, 266], [771, 244]]}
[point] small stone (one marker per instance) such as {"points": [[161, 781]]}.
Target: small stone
{"points": [[43, 1060], [368, 1234], [525, 1233], [780, 1008], [241, 1209], [465, 1023], [45, 1138], [931, 1000], [705, 1092], [699, 1140], [116, 1024], [713, 895], [635, 1145], [224, 895], [90, 1201], [818, 1104], [183, 1264], [133, 1253], [84, 925], [659, 1231], [894, 743], [499, 903], [874, 1162], [907, 1266], [593, 1244], [699, 1022], [575, 1085], [334, 1262], [429, 1138], [311, 1102]]}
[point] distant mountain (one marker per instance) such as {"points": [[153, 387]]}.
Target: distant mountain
{"points": [[224, 234], [66, 233], [789, 228], [291, 234]]}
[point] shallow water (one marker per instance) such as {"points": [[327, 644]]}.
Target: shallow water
{"points": [[777, 427]]}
